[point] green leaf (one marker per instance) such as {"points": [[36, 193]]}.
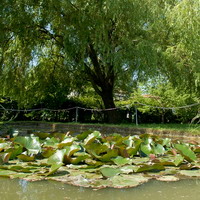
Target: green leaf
{"points": [[96, 148], [166, 142], [41, 135], [91, 137], [93, 162], [52, 142], [178, 160], [26, 158], [6, 173], [83, 135], [167, 178], [4, 146], [77, 160], [70, 150], [32, 144], [4, 157], [48, 151], [185, 151], [127, 181], [57, 157], [154, 168], [159, 149], [120, 161], [66, 142], [132, 151], [145, 149], [54, 168], [190, 173], [109, 172], [110, 154], [129, 169]]}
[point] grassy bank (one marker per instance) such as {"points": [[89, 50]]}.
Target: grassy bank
{"points": [[189, 128]]}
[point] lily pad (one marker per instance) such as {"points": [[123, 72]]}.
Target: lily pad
{"points": [[32, 144], [145, 149], [168, 178], [26, 158], [190, 173], [54, 168], [127, 181], [154, 168], [91, 137], [188, 154], [66, 142], [120, 161], [57, 157], [109, 172]]}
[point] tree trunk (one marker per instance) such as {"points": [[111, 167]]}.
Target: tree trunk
{"points": [[110, 115], [102, 78]]}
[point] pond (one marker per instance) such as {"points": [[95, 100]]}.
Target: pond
{"points": [[50, 190]]}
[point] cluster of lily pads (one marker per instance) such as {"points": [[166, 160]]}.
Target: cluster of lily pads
{"points": [[91, 159]]}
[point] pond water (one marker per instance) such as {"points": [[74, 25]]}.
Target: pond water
{"points": [[50, 190]]}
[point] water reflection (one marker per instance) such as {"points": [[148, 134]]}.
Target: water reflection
{"points": [[46, 190]]}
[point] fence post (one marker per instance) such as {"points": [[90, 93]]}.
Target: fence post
{"points": [[76, 114], [136, 115]]}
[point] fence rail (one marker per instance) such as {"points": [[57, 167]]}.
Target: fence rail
{"points": [[77, 108]]}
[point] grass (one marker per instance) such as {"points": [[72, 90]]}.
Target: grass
{"points": [[189, 128]]}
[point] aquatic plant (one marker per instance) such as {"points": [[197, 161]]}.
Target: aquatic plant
{"points": [[91, 159]]}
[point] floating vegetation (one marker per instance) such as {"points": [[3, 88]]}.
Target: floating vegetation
{"points": [[91, 159]]}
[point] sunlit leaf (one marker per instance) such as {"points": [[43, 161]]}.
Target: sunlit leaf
{"points": [[51, 142], [167, 178], [178, 160], [146, 149], [57, 157], [4, 157], [93, 162], [54, 168], [127, 181], [121, 161], [186, 152], [190, 173], [4, 145], [158, 149], [91, 137], [6, 173], [70, 150], [166, 142], [129, 169], [32, 144], [66, 142], [109, 172]]}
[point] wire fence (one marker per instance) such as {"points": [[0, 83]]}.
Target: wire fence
{"points": [[77, 109]]}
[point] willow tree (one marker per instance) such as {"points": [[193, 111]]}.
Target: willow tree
{"points": [[108, 43], [179, 38]]}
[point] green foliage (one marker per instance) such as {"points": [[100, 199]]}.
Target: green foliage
{"points": [[101, 161], [162, 94], [53, 50]]}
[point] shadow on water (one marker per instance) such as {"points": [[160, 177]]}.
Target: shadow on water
{"points": [[50, 190]]}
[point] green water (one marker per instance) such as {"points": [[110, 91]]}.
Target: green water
{"points": [[49, 190]]}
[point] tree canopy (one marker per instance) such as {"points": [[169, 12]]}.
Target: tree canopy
{"points": [[54, 48]]}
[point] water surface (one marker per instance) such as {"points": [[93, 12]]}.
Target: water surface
{"points": [[49, 190]]}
